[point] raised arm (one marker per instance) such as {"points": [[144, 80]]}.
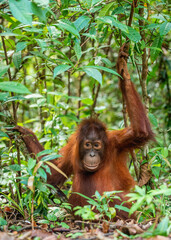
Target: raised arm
{"points": [[64, 163], [139, 131]]}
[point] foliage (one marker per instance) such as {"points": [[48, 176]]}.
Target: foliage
{"points": [[99, 207], [155, 203], [57, 67]]}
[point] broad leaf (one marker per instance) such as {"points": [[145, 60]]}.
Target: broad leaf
{"points": [[94, 73], [3, 69], [69, 27], [113, 22], [21, 10], [38, 11], [20, 46], [133, 35], [60, 69], [17, 59], [156, 44], [43, 3], [153, 119], [77, 49], [14, 87], [105, 10], [105, 69], [164, 28], [82, 22]]}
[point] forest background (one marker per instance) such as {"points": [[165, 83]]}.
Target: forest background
{"points": [[58, 66]]}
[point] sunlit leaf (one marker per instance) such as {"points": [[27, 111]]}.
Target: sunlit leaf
{"points": [[60, 69], [56, 168], [3, 69], [104, 11], [13, 87], [21, 10], [94, 73], [69, 27], [133, 35], [31, 163], [164, 28], [82, 22]]}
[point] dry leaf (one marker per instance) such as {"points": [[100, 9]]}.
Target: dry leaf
{"points": [[30, 183]]}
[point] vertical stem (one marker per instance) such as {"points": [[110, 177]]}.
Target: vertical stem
{"points": [[69, 82], [144, 168], [10, 78], [14, 113], [144, 59], [79, 94], [19, 172], [125, 115], [32, 211]]}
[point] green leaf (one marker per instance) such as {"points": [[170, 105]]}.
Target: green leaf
{"points": [[120, 207], [17, 59], [2, 134], [81, 22], [3, 69], [14, 87], [87, 101], [42, 173], [165, 152], [153, 119], [136, 205], [156, 44], [50, 157], [94, 73], [113, 22], [105, 69], [60, 69], [38, 11], [162, 227], [2, 222], [44, 152], [87, 3], [51, 217], [105, 10], [77, 49], [43, 3], [21, 10], [133, 35], [164, 28], [20, 46], [42, 187], [120, 25], [15, 167], [31, 163], [69, 27]]}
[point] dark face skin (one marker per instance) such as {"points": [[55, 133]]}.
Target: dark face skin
{"points": [[91, 152]]}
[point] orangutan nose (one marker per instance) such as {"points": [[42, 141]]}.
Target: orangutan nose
{"points": [[92, 154]]}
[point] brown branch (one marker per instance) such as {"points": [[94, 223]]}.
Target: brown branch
{"points": [[133, 5], [125, 116], [145, 173]]}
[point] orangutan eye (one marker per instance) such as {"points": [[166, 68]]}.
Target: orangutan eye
{"points": [[97, 145], [87, 145]]}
